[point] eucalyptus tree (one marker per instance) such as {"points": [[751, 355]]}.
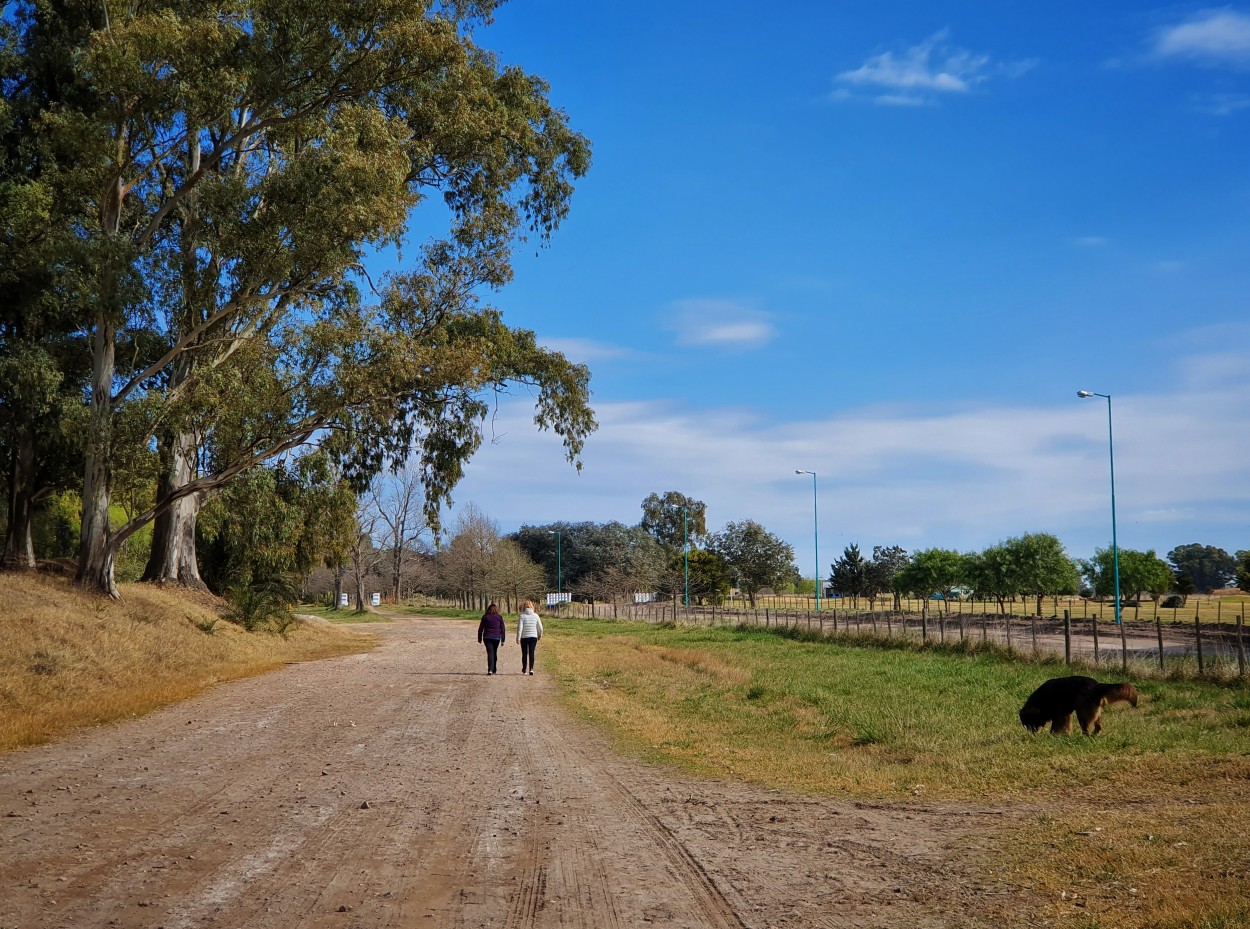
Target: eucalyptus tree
{"points": [[588, 549], [674, 518], [225, 163]]}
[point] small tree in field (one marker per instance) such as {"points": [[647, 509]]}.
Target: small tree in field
{"points": [[757, 557], [933, 571]]}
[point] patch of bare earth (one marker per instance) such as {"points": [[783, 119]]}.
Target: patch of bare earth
{"points": [[404, 787]]}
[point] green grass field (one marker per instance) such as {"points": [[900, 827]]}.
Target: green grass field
{"points": [[1158, 800], [334, 615]]}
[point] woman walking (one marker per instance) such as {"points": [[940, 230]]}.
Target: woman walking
{"points": [[529, 629], [490, 631]]}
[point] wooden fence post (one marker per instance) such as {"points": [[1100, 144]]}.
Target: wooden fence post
{"points": [[1067, 637], [1159, 631], [1124, 644], [1033, 624], [1096, 656], [1198, 640], [1241, 647]]}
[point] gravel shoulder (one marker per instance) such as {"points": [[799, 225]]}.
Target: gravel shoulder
{"points": [[405, 787]]}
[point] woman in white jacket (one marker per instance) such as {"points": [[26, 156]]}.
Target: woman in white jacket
{"points": [[529, 629]]}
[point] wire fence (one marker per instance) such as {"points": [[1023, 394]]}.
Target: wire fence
{"points": [[1168, 646]]}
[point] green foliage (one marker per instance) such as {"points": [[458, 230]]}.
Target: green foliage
{"points": [[757, 558], [262, 606], [1209, 568], [589, 550], [57, 525], [850, 573], [674, 518], [711, 578], [932, 571], [153, 158], [887, 562], [1243, 571], [1140, 572], [273, 523]]}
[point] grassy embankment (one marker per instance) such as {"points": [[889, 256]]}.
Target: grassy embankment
{"points": [[1146, 825], [69, 658]]}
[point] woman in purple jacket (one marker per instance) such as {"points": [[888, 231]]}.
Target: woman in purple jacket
{"points": [[491, 632]]}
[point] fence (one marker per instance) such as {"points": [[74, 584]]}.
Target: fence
{"points": [[1174, 645]]}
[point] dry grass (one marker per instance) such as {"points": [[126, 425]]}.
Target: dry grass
{"points": [[1146, 826], [69, 658]]}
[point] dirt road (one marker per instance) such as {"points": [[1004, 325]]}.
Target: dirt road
{"points": [[405, 788]]}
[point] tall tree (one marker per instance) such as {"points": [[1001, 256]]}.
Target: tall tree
{"points": [[192, 138], [1243, 570], [674, 518], [1209, 568], [757, 558]]}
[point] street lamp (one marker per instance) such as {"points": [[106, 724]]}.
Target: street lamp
{"points": [[1115, 551], [559, 567], [815, 533]]}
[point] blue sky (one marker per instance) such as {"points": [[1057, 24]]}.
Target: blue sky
{"points": [[888, 242]]}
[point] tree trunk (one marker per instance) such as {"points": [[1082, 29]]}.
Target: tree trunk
{"points": [[173, 559], [19, 548], [95, 551]]}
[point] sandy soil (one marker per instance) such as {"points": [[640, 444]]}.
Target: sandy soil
{"points": [[405, 788]]}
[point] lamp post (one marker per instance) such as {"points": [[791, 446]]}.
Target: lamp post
{"points": [[559, 567], [1115, 551], [685, 549], [815, 533]]}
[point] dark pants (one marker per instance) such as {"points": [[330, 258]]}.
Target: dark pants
{"points": [[492, 654], [527, 654]]}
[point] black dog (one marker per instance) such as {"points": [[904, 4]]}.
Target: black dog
{"points": [[1056, 700]]}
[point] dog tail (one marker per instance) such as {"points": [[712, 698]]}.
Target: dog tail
{"points": [[1118, 693]]}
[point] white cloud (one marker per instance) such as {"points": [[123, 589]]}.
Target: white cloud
{"points": [[583, 351], [1214, 37], [918, 75], [961, 478], [1224, 104], [722, 323]]}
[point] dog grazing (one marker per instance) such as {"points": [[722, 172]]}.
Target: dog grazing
{"points": [[1056, 700]]}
